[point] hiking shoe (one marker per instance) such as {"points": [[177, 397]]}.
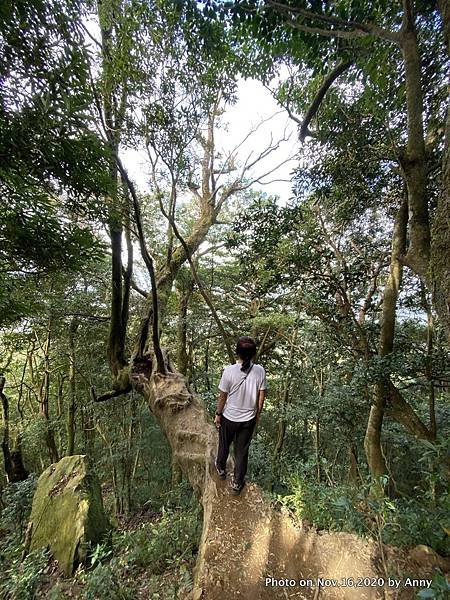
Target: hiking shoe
{"points": [[236, 488], [220, 472]]}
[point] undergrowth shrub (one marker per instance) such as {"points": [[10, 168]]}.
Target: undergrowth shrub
{"points": [[17, 498], [104, 582], [18, 579], [158, 555], [398, 521], [327, 507], [157, 545], [439, 589], [413, 523], [21, 580]]}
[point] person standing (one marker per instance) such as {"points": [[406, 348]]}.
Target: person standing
{"points": [[242, 391]]}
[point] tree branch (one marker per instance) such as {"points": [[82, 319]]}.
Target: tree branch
{"points": [[201, 288], [148, 263], [328, 81], [112, 394], [356, 29]]}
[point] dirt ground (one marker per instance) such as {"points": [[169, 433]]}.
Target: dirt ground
{"points": [[252, 552]]}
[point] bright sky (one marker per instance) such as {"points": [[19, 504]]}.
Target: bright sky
{"points": [[255, 104]]}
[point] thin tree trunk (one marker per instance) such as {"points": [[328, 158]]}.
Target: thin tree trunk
{"points": [[372, 440], [404, 414], [13, 462], [282, 423], [185, 292], [130, 437], [60, 395], [73, 389], [317, 448], [108, 444], [128, 272], [112, 106], [353, 472], [429, 364], [5, 442], [44, 398]]}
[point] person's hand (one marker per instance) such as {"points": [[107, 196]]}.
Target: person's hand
{"points": [[218, 421], [255, 430]]}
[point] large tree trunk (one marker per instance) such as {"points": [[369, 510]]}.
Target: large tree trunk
{"points": [[440, 240], [13, 463], [414, 163], [113, 107]]}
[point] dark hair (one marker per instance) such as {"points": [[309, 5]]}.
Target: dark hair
{"points": [[246, 349]]}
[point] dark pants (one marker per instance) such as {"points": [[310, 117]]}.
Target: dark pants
{"points": [[241, 433]]}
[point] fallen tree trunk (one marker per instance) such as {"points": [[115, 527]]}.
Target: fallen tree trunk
{"points": [[246, 545]]}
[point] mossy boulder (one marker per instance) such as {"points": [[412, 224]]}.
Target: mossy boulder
{"points": [[67, 515]]}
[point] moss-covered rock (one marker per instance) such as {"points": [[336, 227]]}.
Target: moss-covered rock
{"points": [[67, 514]]}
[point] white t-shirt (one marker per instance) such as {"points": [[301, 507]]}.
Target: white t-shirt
{"points": [[242, 389]]}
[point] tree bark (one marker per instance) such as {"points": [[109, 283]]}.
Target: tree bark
{"points": [[112, 107], [440, 240], [12, 459], [5, 442], [404, 414], [415, 163], [73, 389], [372, 439], [44, 398], [429, 365]]}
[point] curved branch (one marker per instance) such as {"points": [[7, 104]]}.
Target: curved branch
{"points": [[312, 111], [112, 394], [148, 263]]}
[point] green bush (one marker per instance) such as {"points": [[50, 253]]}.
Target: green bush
{"points": [[439, 589], [326, 507], [157, 545], [158, 555], [103, 583], [399, 521], [18, 498], [414, 523], [21, 580]]}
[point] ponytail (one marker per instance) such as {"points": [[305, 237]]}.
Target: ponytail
{"points": [[246, 350], [246, 364]]}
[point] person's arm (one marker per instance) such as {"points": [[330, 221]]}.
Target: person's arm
{"points": [[220, 406], [261, 398]]}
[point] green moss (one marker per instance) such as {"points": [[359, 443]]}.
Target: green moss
{"points": [[67, 512]]}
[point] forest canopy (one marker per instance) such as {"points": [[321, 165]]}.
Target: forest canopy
{"points": [[140, 238]]}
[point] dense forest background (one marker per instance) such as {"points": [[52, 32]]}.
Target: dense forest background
{"points": [[345, 287]]}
